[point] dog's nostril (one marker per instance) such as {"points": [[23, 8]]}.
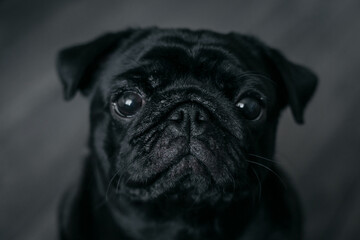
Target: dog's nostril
{"points": [[189, 119], [201, 116], [193, 114], [177, 116]]}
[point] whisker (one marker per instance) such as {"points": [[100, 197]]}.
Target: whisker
{"points": [[109, 185], [269, 169], [258, 179], [100, 204], [117, 189], [263, 158], [233, 182], [121, 177]]}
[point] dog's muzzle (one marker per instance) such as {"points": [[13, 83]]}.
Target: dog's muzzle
{"points": [[188, 156]]}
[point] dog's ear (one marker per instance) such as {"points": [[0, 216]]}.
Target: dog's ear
{"points": [[298, 81], [76, 64]]}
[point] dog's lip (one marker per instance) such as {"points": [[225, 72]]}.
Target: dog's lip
{"points": [[195, 157], [168, 181], [181, 168]]}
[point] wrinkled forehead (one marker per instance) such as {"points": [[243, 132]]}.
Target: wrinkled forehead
{"points": [[164, 57], [187, 51]]}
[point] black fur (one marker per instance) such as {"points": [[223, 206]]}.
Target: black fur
{"points": [[188, 165]]}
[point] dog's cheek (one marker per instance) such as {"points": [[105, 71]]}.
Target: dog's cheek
{"points": [[101, 132], [99, 135]]}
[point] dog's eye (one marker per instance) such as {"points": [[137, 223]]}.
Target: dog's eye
{"points": [[250, 108], [128, 104]]}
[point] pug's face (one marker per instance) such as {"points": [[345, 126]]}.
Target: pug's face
{"points": [[183, 115]]}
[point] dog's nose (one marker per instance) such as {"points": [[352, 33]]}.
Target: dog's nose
{"points": [[189, 120]]}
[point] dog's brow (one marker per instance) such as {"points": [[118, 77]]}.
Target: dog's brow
{"points": [[134, 73], [250, 74]]}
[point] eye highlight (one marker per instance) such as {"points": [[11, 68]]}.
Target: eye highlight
{"points": [[127, 104], [251, 108]]}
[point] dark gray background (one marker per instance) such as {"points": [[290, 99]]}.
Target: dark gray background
{"points": [[42, 138]]}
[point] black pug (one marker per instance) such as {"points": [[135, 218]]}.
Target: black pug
{"points": [[182, 137]]}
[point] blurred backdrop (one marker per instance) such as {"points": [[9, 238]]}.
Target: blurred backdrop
{"points": [[43, 138]]}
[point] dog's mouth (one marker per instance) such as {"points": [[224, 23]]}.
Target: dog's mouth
{"points": [[187, 165], [171, 180], [196, 171]]}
